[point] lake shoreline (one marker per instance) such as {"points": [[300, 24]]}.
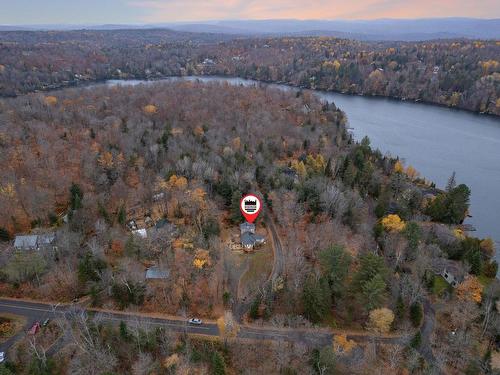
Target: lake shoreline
{"points": [[82, 84]]}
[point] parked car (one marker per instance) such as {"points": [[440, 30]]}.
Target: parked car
{"points": [[195, 321], [2, 357], [34, 328], [46, 322]]}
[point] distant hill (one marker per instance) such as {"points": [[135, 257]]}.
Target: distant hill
{"points": [[381, 29]]}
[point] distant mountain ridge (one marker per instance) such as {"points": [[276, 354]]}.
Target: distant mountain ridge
{"points": [[380, 29]]}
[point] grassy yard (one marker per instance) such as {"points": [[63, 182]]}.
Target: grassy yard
{"points": [[261, 264], [439, 286], [10, 324]]}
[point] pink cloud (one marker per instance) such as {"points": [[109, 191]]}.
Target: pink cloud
{"points": [[191, 10]]}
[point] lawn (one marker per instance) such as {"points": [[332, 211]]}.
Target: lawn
{"points": [[259, 268], [439, 286], [10, 324]]}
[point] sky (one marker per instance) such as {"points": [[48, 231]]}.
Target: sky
{"points": [[25, 12]]}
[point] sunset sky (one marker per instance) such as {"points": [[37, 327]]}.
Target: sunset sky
{"points": [[150, 11]]}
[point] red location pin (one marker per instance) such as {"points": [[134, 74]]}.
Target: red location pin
{"points": [[250, 207]]}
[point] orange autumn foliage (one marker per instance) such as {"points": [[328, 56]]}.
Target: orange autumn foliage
{"points": [[470, 289], [50, 100], [150, 109]]}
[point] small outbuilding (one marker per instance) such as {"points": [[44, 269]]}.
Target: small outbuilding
{"points": [[450, 271], [156, 273]]}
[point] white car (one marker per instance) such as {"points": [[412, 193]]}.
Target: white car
{"points": [[2, 357], [195, 321]]}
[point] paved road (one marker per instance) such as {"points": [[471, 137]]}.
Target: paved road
{"points": [[40, 311], [37, 311]]}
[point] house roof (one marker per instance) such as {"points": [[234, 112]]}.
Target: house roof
{"points": [[250, 239], [28, 241], [247, 239], [46, 239], [451, 266], [247, 227], [141, 232], [156, 273], [259, 238]]}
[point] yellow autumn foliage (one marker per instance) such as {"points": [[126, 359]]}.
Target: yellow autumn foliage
{"points": [[470, 289], [332, 65], [50, 100], [299, 167], [150, 109], [199, 263], [489, 66], [411, 172], [171, 361], [199, 195], [228, 327], [161, 184], [458, 233], [202, 259], [315, 164], [8, 190], [342, 345], [380, 320], [393, 223], [105, 160], [177, 182], [398, 167]]}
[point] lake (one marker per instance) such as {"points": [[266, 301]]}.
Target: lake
{"points": [[435, 140]]}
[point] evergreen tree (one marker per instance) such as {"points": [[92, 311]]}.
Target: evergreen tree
{"points": [[416, 314], [235, 211], [122, 215], [452, 182], [335, 262], [373, 292], [4, 234], [76, 196], [316, 298], [218, 364]]}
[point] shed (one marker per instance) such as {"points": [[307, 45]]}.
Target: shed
{"points": [[450, 271]]}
